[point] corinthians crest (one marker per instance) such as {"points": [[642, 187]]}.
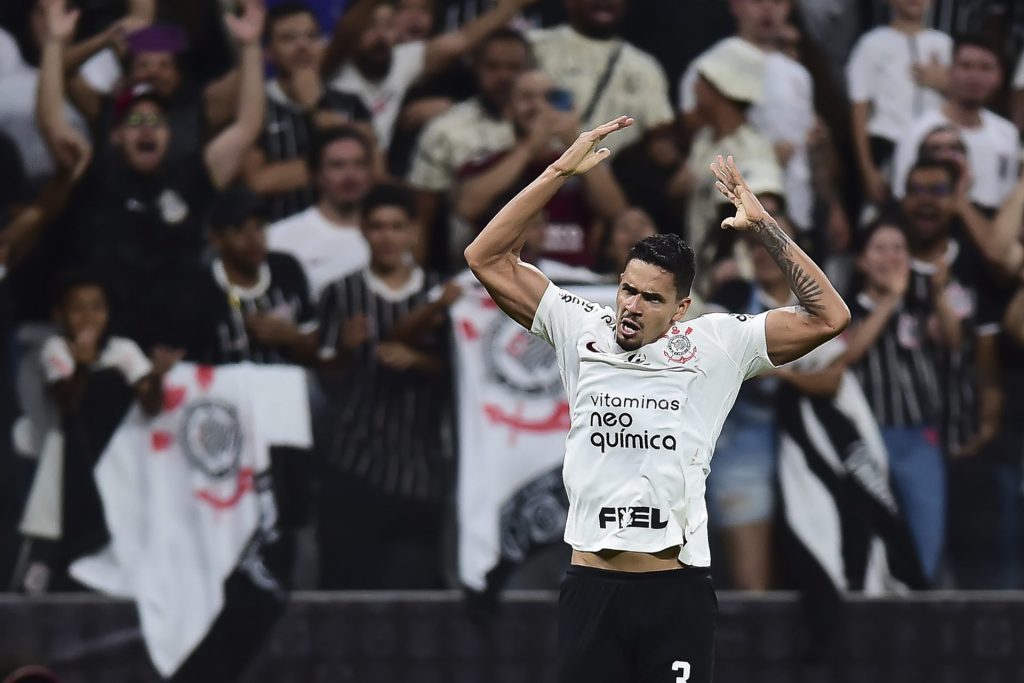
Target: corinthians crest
{"points": [[520, 360], [679, 348], [212, 437]]}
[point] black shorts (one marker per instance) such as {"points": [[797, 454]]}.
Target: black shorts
{"points": [[625, 627]]}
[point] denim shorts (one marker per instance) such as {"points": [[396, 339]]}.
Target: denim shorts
{"points": [[741, 486]]}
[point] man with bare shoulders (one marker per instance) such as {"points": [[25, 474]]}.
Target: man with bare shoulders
{"points": [[648, 394]]}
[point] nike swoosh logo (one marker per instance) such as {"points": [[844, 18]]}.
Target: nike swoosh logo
{"points": [[592, 347]]}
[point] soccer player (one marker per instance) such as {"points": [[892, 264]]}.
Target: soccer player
{"points": [[648, 394]]}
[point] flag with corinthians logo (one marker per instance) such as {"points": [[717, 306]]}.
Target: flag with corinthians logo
{"points": [[187, 499], [513, 418]]}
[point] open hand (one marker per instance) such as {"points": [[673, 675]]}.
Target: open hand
{"points": [[729, 181], [247, 28], [582, 155], [60, 23]]}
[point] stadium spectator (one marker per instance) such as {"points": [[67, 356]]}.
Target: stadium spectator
{"points": [[893, 348], [729, 81], [383, 439], [993, 143], [365, 58], [572, 231], [93, 377], [470, 130], [19, 80], [645, 171], [299, 107], [325, 238], [630, 227], [139, 213], [741, 486], [895, 74], [415, 20], [784, 114], [605, 74], [154, 55], [968, 369], [250, 305]]}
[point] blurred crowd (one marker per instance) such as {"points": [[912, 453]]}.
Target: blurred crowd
{"points": [[220, 182]]}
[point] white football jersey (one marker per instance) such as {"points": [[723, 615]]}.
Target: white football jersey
{"points": [[645, 422]]}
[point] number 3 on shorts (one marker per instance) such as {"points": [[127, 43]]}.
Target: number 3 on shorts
{"points": [[684, 669]]}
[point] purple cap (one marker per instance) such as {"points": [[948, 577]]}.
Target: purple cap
{"points": [[158, 38]]}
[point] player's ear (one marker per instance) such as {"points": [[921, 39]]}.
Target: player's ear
{"points": [[682, 307]]}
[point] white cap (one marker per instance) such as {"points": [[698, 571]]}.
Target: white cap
{"points": [[736, 69]]}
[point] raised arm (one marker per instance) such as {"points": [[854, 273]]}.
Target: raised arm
{"points": [[224, 154], [821, 313], [493, 256], [447, 47]]}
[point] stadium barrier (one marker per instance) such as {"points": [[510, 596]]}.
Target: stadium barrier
{"points": [[434, 637]]}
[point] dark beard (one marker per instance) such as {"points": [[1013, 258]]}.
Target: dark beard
{"points": [[373, 66]]}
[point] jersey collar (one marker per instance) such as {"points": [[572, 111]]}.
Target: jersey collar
{"points": [[246, 293]]}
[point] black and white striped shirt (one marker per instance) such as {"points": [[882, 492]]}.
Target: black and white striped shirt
{"points": [[213, 318], [289, 134], [387, 424], [898, 372], [970, 292]]}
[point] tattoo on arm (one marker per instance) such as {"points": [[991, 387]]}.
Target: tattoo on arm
{"points": [[805, 286]]}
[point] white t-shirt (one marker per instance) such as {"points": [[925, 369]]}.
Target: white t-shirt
{"points": [[637, 86], [463, 134], [784, 114], [993, 152], [880, 72], [18, 83], [120, 353], [327, 251], [645, 422], [384, 98]]}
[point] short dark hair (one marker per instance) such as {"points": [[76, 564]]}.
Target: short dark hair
{"points": [[505, 34], [328, 137], [669, 252], [70, 280], [863, 236], [283, 11], [947, 167], [392, 195], [980, 41], [233, 206]]}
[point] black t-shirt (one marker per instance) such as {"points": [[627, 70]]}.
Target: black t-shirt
{"points": [[210, 319], [144, 233]]}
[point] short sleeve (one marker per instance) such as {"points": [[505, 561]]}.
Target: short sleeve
{"points": [[743, 339], [56, 359], [858, 71], [282, 406], [687, 94], [410, 59], [560, 315], [128, 358]]}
